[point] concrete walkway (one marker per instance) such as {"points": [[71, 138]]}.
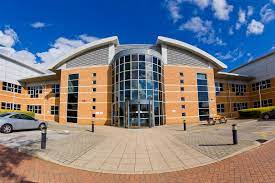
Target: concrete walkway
{"points": [[139, 151]]}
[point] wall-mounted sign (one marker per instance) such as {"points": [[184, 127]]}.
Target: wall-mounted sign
{"points": [[174, 110], [98, 112]]}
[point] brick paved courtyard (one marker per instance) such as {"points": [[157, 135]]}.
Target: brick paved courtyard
{"points": [[140, 151], [162, 154], [256, 165]]}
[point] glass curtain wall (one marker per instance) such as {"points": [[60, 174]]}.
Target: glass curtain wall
{"points": [[137, 82], [203, 96], [72, 101]]}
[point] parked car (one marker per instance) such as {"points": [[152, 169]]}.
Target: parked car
{"points": [[17, 121], [269, 115]]}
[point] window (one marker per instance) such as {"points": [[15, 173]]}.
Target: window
{"points": [[202, 87], [56, 89], [239, 89], [181, 89], [182, 106], [93, 115], [34, 91], [94, 82], [94, 107], [94, 89], [262, 85], [183, 114], [220, 108], [34, 108], [10, 106], [265, 103], [94, 99], [182, 99], [54, 110], [181, 81], [72, 100], [181, 74], [94, 74], [11, 87], [219, 88], [239, 106]]}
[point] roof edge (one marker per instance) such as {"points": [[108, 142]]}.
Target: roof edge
{"points": [[255, 60], [22, 64], [191, 48], [84, 48]]}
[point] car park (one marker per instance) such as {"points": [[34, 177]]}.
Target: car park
{"points": [[12, 121]]}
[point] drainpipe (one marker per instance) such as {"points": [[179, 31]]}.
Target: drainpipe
{"points": [[260, 95], [229, 96], [44, 98]]}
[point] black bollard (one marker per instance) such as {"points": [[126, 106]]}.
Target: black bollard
{"points": [[234, 134], [43, 137], [184, 125], [93, 126]]}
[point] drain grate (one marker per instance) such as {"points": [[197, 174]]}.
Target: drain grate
{"points": [[261, 140]]}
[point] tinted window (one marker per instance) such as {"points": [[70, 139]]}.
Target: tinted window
{"points": [[23, 116], [16, 116]]}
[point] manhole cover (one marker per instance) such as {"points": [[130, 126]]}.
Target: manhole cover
{"points": [[261, 140]]}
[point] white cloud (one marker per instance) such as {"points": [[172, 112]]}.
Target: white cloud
{"points": [[201, 3], [61, 47], [23, 55], [221, 9], [242, 16], [173, 7], [8, 37], [241, 19], [267, 14], [203, 29], [250, 10], [273, 1], [230, 55], [87, 38], [255, 27], [38, 25], [231, 32]]}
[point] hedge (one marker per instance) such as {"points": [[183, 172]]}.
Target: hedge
{"points": [[22, 112], [254, 112]]}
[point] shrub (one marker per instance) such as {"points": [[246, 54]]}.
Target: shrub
{"points": [[254, 112], [22, 112]]}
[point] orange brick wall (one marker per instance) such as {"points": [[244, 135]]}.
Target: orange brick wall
{"points": [[228, 98], [103, 95], [173, 94], [46, 100]]}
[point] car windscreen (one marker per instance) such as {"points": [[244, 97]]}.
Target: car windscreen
{"points": [[4, 114]]}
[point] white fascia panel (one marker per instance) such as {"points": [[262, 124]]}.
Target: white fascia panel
{"points": [[164, 40]]}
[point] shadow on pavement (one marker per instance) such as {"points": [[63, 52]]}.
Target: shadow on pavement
{"points": [[9, 159], [215, 144]]}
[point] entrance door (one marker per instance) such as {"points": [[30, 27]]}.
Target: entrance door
{"points": [[139, 115]]}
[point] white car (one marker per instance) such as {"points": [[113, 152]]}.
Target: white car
{"points": [[11, 121]]}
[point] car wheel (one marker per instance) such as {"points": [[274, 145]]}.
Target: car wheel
{"points": [[6, 128], [266, 117], [42, 125]]}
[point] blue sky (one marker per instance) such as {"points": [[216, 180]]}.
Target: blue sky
{"points": [[232, 30]]}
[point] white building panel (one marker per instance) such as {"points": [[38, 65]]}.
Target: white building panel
{"points": [[11, 71], [261, 69]]}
